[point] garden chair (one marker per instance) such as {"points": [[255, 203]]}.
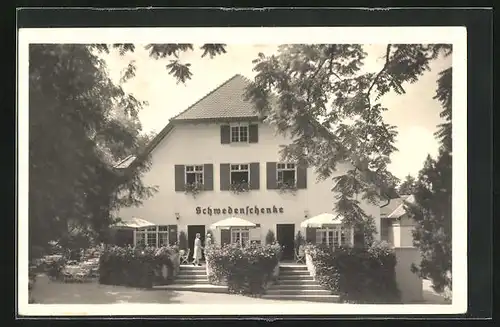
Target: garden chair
{"points": [[300, 255], [185, 256]]}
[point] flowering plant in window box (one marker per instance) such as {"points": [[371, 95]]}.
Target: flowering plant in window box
{"points": [[193, 188], [288, 186], [239, 187]]}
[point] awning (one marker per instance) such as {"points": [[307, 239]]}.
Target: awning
{"points": [[322, 220], [134, 223], [233, 222]]}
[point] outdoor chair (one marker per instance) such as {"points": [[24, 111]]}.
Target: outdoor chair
{"points": [[300, 255], [185, 256]]}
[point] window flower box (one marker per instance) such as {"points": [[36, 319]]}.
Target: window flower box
{"points": [[287, 187], [193, 188], [238, 188]]}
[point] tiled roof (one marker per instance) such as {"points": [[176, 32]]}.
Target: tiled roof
{"points": [[226, 101], [395, 208]]}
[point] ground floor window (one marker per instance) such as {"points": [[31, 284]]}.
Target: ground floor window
{"points": [[152, 236], [240, 236], [335, 236]]}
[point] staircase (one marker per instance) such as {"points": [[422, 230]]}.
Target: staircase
{"points": [[194, 279], [295, 283]]}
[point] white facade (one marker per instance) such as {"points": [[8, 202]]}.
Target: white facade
{"points": [[199, 144]]}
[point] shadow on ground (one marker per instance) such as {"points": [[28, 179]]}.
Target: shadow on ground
{"points": [[48, 292]]}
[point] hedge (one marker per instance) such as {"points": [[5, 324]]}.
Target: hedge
{"points": [[358, 275], [245, 270], [136, 267]]}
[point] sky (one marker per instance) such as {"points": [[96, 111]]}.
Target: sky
{"points": [[415, 114]]}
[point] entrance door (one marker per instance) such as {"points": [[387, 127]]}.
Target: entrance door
{"points": [[192, 231], [285, 235]]}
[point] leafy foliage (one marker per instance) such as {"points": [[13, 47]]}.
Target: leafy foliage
{"points": [[408, 186], [193, 188], [238, 188], [270, 237], [318, 95], [75, 137], [433, 199], [358, 275], [246, 270], [136, 267]]}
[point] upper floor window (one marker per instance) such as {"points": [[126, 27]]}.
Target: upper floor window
{"points": [[194, 174], [239, 174], [239, 133], [286, 174]]}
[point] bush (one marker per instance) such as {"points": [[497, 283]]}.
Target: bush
{"points": [[136, 267], [245, 270], [358, 275], [270, 238]]}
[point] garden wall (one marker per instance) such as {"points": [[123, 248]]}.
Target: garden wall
{"points": [[410, 285]]}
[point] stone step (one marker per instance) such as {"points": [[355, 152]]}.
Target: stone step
{"points": [[311, 298], [281, 291], [191, 281], [192, 272], [287, 268], [295, 273], [190, 268], [182, 276], [295, 277], [206, 288], [312, 286], [309, 282]]}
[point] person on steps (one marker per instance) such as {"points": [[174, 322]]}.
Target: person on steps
{"points": [[197, 250]]}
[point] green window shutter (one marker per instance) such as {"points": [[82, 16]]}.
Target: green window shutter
{"points": [[301, 177], [208, 177], [179, 178], [311, 235], [253, 133], [225, 134], [271, 176], [225, 236], [254, 176], [224, 177], [172, 234]]}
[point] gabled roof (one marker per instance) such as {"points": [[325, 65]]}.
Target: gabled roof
{"points": [[396, 208], [225, 101]]}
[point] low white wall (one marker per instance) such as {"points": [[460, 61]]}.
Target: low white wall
{"points": [[310, 266], [410, 285]]}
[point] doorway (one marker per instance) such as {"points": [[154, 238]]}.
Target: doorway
{"points": [[192, 231], [285, 235]]}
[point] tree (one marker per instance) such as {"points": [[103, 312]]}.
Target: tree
{"points": [[433, 197], [407, 186], [318, 95], [81, 123]]}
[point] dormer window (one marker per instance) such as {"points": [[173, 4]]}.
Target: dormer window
{"points": [[239, 134]]}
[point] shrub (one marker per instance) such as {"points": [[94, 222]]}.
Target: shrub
{"points": [[270, 238], [245, 270], [135, 267], [358, 275], [183, 242]]}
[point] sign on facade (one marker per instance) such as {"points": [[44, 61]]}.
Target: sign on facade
{"points": [[248, 210]]}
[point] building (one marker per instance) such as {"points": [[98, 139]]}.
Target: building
{"points": [[215, 160], [396, 226]]}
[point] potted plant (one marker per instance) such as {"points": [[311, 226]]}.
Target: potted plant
{"points": [[183, 243], [270, 238]]}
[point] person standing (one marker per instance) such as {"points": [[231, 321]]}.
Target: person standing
{"points": [[197, 250]]}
